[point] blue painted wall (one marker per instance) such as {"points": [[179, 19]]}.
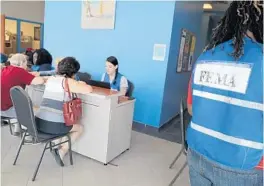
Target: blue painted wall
{"points": [[187, 15], [209, 21], [138, 26]]}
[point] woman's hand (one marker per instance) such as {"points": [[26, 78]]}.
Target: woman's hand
{"points": [[82, 82], [35, 73], [46, 78], [79, 86]]}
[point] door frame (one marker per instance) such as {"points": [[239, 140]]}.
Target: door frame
{"points": [[2, 49]]}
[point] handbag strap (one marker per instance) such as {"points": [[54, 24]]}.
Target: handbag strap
{"points": [[67, 88]]}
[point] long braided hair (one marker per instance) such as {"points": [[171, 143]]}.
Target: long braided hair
{"points": [[240, 17]]}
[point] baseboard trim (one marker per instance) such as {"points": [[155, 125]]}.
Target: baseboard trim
{"points": [[166, 124], [137, 126], [155, 132]]}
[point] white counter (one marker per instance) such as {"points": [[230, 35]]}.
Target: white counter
{"points": [[107, 120]]}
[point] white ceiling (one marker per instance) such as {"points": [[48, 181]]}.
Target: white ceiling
{"points": [[28, 10]]}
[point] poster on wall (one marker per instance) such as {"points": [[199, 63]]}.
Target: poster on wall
{"points": [[186, 52], [98, 14], [190, 65], [36, 33], [159, 52]]}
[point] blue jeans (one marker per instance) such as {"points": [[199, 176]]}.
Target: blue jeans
{"points": [[204, 172]]}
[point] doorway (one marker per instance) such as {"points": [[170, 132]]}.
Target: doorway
{"points": [[22, 34]]}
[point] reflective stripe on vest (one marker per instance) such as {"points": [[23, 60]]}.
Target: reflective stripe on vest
{"points": [[227, 138], [229, 100]]}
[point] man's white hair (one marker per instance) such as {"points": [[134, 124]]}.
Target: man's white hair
{"points": [[18, 60]]}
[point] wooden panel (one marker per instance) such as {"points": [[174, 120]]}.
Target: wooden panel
{"points": [[103, 91], [2, 33]]}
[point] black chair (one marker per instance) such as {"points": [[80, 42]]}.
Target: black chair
{"points": [[6, 121], [130, 89], [84, 76], [185, 119], [25, 116]]}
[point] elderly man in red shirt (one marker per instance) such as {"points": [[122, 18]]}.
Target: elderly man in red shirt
{"points": [[15, 75]]}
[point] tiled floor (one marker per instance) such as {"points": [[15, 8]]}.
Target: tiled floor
{"points": [[145, 164]]}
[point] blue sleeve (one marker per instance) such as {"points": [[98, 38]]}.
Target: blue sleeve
{"points": [[47, 73], [45, 67], [35, 68]]}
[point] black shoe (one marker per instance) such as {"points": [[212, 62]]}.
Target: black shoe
{"points": [[3, 123], [55, 153], [29, 140], [16, 133]]}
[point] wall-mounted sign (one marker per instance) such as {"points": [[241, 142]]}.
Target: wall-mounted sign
{"points": [[159, 52], [186, 52]]}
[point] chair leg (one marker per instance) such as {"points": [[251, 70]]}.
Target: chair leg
{"points": [[176, 158], [19, 148], [70, 149], [36, 171], [50, 146], [178, 174], [10, 127], [21, 131]]}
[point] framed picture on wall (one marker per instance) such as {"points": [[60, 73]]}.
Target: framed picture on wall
{"points": [[36, 33], [98, 14]]}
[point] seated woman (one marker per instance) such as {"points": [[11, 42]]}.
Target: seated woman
{"points": [[49, 118], [42, 60], [117, 81]]}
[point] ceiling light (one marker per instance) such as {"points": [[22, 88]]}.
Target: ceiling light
{"points": [[207, 6]]}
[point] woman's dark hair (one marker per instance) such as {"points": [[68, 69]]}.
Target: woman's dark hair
{"points": [[68, 67], [240, 17], [7, 63], [113, 60], [29, 54], [43, 57]]}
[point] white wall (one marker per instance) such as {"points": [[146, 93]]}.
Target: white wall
{"points": [[27, 10]]}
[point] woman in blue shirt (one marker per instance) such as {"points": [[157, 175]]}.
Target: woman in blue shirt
{"points": [[42, 60], [117, 81]]}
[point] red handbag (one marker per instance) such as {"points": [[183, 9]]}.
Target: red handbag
{"points": [[72, 110]]}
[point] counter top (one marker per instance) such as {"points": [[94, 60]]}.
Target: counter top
{"points": [[97, 91]]}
